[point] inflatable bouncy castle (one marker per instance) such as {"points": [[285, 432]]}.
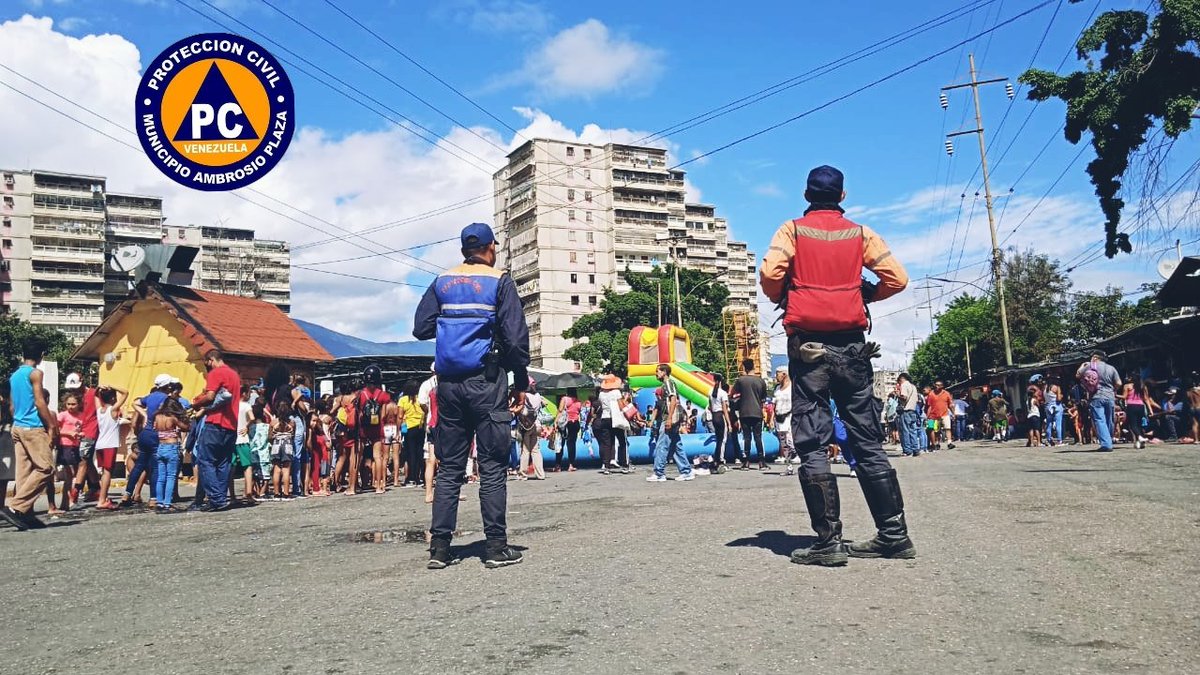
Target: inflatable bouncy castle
{"points": [[671, 345]]}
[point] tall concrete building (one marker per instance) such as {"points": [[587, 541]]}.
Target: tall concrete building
{"points": [[572, 217], [58, 230], [52, 248]]}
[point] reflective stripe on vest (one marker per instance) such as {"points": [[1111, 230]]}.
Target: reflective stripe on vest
{"points": [[825, 279]]}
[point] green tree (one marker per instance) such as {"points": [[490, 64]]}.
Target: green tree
{"points": [[1095, 316], [602, 337], [968, 320], [13, 333], [1148, 74], [1035, 291]]}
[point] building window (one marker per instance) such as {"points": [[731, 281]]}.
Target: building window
{"points": [[574, 278], [570, 195], [571, 214], [571, 235], [8, 222], [591, 278], [182, 233], [591, 238], [592, 300], [591, 257], [587, 173], [8, 202], [570, 151], [575, 300], [587, 196], [6, 244], [9, 180], [574, 256], [570, 172], [588, 216], [587, 153]]}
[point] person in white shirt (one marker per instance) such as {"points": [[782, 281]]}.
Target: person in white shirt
{"points": [[718, 411], [783, 413], [910, 419]]}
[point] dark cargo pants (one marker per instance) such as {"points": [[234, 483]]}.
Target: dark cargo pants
{"points": [[844, 376], [472, 408]]}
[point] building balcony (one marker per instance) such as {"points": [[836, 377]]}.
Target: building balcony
{"points": [[68, 274], [71, 230], [89, 316], [80, 210], [275, 286], [149, 232], [639, 161], [58, 296], [68, 253], [529, 287]]}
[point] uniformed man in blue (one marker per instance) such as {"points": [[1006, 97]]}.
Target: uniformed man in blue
{"points": [[474, 312]]}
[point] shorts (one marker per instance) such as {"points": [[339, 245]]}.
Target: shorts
{"points": [[87, 448], [243, 457], [106, 458], [931, 425], [391, 435], [281, 451], [945, 422], [67, 455]]}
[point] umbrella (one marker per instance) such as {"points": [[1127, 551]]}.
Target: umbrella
{"points": [[564, 381]]}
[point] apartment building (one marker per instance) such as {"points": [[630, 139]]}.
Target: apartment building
{"points": [[572, 217], [52, 248], [57, 231], [234, 262]]}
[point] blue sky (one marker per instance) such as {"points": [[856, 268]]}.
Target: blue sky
{"points": [[639, 67]]}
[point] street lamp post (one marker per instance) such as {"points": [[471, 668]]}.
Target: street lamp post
{"points": [[672, 243], [702, 283]]}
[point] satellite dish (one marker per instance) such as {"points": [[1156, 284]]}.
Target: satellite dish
{"points": [[1167, 267], [127, 258]]}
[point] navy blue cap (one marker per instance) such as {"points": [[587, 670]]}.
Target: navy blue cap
{"points": [[825, 181], [476, 235]]}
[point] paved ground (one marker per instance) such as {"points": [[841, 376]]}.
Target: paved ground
{"points": [[1029, 561]]}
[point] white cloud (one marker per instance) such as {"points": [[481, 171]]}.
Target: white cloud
{"points": [[768, 190], [587, 60], [354, 181], [72, 24], [498, 16]]}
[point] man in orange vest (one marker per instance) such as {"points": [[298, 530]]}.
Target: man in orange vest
{"points": [[813, 269]]}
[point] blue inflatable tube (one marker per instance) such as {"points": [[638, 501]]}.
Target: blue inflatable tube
{"points": [[640, 451]]}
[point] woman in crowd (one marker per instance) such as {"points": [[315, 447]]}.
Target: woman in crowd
{"points": [[718, 409], [392, 442], [607, 411], [70, 433], [1138, 404], [570, 408], [1033, 417], [526, 406], [283, 449], [170, 423], [412, 414], [1053, 395]]}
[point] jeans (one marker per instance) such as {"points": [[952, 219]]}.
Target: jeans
{"points": [[214, 455], [146, 463], [668, 439], [1054, 420], [960, 427], [1102, 421], [300, 457], [752, 429], [910, 432], [167, 467]]}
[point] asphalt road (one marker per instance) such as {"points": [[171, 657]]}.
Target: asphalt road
{"points": [[1029, 561]]}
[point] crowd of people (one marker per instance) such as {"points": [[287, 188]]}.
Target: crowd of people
{"points": [[1093, 405]]}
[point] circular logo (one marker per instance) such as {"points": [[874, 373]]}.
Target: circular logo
{"points": [[215, 112]]}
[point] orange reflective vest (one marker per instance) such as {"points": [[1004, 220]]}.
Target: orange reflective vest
{"points": [[825, 280]]}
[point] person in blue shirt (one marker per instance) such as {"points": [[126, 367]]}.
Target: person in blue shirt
{"points": [[475, 313], [33, 426], [145, 467], [1172, 411]]}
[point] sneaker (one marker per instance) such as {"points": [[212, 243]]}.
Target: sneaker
{"points": [[691, 475], [702, 471], [605, 471], [655, 478], [30, 521], [11, 518], [439, 555], [853, 473], [501, 557]]}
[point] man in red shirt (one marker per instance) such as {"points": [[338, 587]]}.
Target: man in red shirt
{"points": [[937, 408], [216, 443]]}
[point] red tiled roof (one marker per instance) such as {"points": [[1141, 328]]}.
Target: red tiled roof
{"points": [[239, 326]]}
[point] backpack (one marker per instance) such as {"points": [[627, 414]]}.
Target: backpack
{"points": [[528, 417], [1090, 379], [369, 411]]}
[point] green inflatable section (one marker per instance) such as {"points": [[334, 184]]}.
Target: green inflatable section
{"points": [[650, 382]]}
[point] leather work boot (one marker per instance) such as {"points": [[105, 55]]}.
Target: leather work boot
{"points": [[500, 554], [439, 554], [887, 507], [824, 510]]}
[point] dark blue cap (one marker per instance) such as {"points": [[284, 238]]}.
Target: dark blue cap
{"points": [[825, 181], [476, 235]]}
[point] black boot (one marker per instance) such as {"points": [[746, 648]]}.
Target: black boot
{"points": [[887, 507], [500, 554], [824, 510], [439, 553]]}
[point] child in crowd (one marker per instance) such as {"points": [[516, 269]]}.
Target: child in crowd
{"points": [[260, 447], [283, 447], [320, 456], [108, 415], [70, 433], [170, 423], [392, 442], [1033, 417]]}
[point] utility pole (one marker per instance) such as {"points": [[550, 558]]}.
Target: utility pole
{"points": [[678, 302], [928, 288], [967, 351], [974, 84], [659, 282]]}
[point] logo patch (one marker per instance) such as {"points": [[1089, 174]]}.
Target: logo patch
{"points": [[215, 112]]}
